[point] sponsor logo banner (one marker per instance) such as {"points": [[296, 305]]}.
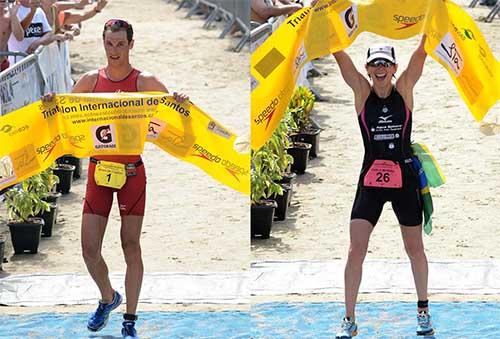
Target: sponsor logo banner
{"points": [[118, 123], [453, 39]]}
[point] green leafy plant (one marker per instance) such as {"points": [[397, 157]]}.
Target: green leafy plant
{"points": [[50, 180], [300, 107], [26, 202], [264, 168], [271, 161]]}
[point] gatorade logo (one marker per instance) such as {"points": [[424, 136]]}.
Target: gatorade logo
{"points": [[350, 19], [231, 167], [407, 21], [104, 136], [35, 30]]}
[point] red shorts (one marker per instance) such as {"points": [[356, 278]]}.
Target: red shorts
{"points": [[4, 65], [131, 197]]}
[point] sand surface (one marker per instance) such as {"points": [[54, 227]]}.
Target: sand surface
{"points": [[192, 222], [467, 207]]}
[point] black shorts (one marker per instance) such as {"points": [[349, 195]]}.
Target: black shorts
{"points": [[406, 203]]}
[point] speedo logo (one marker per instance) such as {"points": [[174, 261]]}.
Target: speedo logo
{"points": [[407, 21], [11, 130], [231, 167], [49, 147], [268, 112]]}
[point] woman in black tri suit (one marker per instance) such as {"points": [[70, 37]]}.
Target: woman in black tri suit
{"points": [[384, 113]]}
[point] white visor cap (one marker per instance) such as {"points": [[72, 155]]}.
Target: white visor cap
{"points": [[381, 52]]}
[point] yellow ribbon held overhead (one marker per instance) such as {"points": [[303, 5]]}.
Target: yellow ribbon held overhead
{"points": [[454, 40], [34, 136]]}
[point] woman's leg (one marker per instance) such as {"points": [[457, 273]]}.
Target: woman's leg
{"points": [[360, 231], [414, 246]]}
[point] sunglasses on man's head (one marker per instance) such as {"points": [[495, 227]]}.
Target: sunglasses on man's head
{"points": [[380, 62], [117, 23]]}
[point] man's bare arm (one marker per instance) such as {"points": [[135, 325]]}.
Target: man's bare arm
{"points": [[65, 5], [15, 25], [149, 83], [269, 11], [75, 18], [26, 22], [86, 83]]}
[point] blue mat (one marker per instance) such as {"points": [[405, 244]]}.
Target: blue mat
{"points": [[271, 320], [228, 324], [375, 320]]}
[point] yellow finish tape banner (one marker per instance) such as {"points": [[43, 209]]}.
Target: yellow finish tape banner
{"points": [[34, 136], [453, 39]]}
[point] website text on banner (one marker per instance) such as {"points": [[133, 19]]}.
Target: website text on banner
{"points": [[34, 136], [453, 39]]}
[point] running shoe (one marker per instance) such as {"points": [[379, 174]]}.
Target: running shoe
{"points": [[424, 324], [128, 330], [348, 329], [99, 318]]}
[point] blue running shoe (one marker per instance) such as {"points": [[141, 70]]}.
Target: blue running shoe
{"points": [[424, 324], [128, 330], [99, 318], [348, 329]]}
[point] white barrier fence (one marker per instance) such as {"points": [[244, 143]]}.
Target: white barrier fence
{"points": [[48, 70]]}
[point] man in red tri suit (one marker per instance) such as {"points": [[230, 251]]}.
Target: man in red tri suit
{"points": [[120, 76]]}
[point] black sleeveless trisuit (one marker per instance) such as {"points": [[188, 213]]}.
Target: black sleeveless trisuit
{"points": [[386, 129]]}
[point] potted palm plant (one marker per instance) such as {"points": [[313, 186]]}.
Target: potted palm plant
{"points": [[23, 204]]}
